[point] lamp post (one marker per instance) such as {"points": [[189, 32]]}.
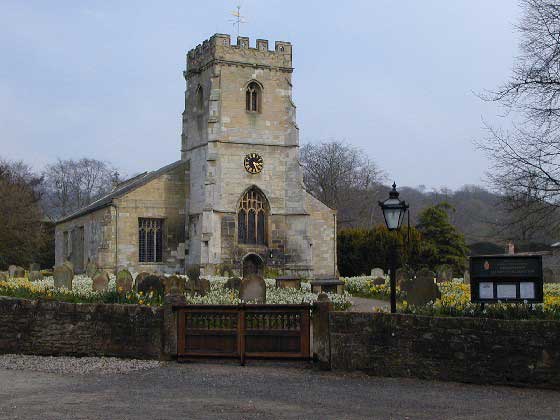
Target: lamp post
{"points": [[393, 212]]}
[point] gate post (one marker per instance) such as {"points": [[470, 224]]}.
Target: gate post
{"points": [[321, 337], [170, 318]]}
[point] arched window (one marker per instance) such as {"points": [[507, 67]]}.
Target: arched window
{"points": [[252, 216], [199, 99], [253, 97]]}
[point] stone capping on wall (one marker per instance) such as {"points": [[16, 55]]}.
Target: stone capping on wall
{"points": [[45, 327], [472, 350]]}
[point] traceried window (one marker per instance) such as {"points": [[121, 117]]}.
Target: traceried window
{"points": [[253, 97], [252, 216], [150, 240]]}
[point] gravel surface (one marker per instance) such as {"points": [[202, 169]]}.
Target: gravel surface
{"points": [[75, 365], [259, 391]]}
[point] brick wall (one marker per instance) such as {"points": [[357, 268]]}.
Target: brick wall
{"points": [[58, 328], [457, 349]]}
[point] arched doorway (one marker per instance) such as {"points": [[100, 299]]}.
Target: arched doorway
{"points": [[253, 264]]}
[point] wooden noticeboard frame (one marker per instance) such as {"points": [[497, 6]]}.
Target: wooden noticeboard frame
{"points": [[506, 278]]}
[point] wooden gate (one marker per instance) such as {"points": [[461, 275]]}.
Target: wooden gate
{"points": [[243, 331]]}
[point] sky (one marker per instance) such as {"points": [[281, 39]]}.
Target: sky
{"points": [[399, 80]]}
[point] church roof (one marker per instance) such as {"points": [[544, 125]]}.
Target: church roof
{"points": [[121, 189]]}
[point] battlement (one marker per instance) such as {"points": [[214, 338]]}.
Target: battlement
{"points": [[219, 49]]}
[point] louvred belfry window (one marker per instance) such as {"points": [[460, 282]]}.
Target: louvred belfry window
{"points": [[150, 240], [253, 97], [252, 216]]}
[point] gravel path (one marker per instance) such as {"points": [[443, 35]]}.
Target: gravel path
{"points": [[74, 365], [258, 391]]}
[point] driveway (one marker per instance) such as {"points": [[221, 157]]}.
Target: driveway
{"points": [[258, 391]]}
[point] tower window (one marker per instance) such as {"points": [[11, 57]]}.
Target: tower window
{"points": [[252, 218], [199, 99], [150, 240], [253, 97]]}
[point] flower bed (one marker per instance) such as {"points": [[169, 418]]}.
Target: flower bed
{"points": [[217, 295]]}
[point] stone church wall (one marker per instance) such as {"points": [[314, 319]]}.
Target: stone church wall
{"points": [[323, 236]]}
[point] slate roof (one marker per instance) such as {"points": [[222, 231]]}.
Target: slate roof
{"points": [[121, 189]]}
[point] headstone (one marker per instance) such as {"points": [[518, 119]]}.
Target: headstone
{"points": [[548, 276], [403, 276], [253, 289], [139, 278], [19, 272], [174, 285], [12, 270], [100, 282], [377, 272], [151, 283], [288, 281], [3, 276], [34, 267], [203, 286], [378, 281], [123, 282], [423, 289], [35, 276], [467, 277], [91, 269], [69, 264], [233, 283], [444, 273], [63, 277]]}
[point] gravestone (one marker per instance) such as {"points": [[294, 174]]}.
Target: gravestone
{"points": [[151, 283], [91, 269], [174, 285], [69, 264], [63, 277], [233, 283], [467, 277], [139, 278], [422, 289], [3, 277], [288, 281], [123, 283], [548, 275], [203, 286], [444, 273], [100, 282], [19, 272], [35, 276], [377, 272], [12, 270], [253, 289], [378, 281], [34, 267]]}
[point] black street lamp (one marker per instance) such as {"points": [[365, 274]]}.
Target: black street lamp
{"points": [[393, 212]]}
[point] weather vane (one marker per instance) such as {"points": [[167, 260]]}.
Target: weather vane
{"points": [[238, 19]]}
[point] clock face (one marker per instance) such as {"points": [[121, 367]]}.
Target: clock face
{"points": [[253, 163]]}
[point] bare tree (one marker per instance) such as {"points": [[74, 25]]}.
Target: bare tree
{"points": [[73, 184], [526, 158], [344, 178]]}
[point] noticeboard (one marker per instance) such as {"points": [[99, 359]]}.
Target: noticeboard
{"points": [[507, 278]]}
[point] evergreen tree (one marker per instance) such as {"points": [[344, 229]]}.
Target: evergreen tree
{"points": [[444, 244]]}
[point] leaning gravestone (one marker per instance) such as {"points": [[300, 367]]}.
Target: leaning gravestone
{"points": [[377, 272], [548, 275], [63, 277], [151, 283], [253, 289], [423, 289], [139, 279], [91, 269], [123, 282], [444, 273], [100, 282], [233, 283], [35, 276], [378, 281], [467, 277], [19, 272], [34, 267]]}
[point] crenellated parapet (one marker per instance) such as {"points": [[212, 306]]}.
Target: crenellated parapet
{"points": [[218, 49]]}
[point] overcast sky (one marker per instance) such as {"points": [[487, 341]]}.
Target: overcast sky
{"points": [[103, 79]]}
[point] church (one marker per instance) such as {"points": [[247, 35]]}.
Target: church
{"points": [[235, 201]]}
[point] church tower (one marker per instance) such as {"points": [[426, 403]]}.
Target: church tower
{"points": [[246, 199]]}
